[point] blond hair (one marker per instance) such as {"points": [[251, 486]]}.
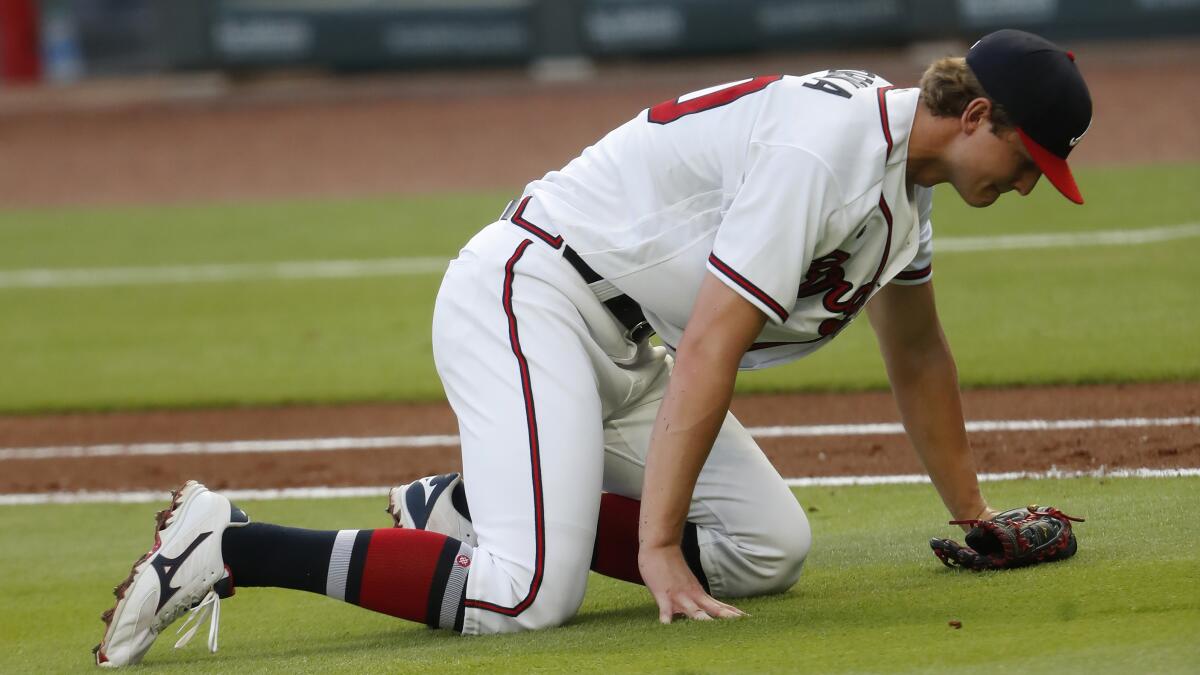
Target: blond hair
{"points": [[948, 85]]}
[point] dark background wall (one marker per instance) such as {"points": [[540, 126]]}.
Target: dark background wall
{"points": [[105, 37]]}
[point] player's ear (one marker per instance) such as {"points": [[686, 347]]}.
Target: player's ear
{"points": [[975, 114]]}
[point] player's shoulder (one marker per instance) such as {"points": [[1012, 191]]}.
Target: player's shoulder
{"points": [[822, 110], [833, 115]]}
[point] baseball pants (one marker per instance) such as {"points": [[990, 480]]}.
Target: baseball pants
{"points": [[555, 406]]}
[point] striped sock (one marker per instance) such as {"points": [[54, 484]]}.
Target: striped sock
{"points": [[412, 574]]}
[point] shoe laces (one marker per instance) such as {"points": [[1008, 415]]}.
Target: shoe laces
{"points": [[208, 608]]}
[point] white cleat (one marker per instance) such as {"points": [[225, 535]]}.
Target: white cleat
{"points": [[434, 503], [183, 570]]}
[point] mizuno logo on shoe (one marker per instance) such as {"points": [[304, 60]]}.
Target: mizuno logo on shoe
{"points": [[419, 505], [167, 567]]}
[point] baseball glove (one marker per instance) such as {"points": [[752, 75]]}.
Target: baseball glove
{"points": [[1015, 538]]}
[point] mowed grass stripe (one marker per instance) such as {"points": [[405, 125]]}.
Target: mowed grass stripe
{"points": [[387, 267], [872, 597], [1071, 314]]}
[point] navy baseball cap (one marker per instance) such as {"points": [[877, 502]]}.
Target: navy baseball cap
{"points": [[1040, 86]]}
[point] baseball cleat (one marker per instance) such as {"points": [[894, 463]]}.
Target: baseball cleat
{"points": [[434, 503], [183, 570]]}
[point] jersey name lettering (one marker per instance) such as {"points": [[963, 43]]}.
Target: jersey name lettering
{"points": [[857, 79]]}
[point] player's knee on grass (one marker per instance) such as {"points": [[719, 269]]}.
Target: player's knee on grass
{"points": [[559, 595], [795, 540], [548, 611], [769, 561], [551, 612]]}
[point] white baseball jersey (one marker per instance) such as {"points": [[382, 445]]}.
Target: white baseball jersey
{"points": [[792, 191], [789, 189]]}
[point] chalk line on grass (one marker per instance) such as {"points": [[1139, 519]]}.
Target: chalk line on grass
{"points": [[449, 441], [387, 267], [323, 492], [190, 274], [1149, 235]]}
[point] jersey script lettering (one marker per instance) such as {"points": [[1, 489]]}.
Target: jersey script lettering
{"points": [[826, 275]]}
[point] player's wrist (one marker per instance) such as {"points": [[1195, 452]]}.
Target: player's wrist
{"points": [[659, 551], [973, 510]]}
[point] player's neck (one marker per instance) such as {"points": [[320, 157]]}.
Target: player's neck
{"points": [[927, 145]]}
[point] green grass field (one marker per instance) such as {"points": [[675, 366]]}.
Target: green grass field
{"points": [[872, 598], [1093, 313]]}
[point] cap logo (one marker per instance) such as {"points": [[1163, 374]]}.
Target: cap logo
{"points": [[1075, 141]]}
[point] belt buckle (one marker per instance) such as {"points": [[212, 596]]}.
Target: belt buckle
{"points": [[640, 332]]}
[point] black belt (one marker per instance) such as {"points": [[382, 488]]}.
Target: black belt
{"points": [[623, 307]]}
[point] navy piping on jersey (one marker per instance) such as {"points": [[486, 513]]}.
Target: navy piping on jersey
{"points": [[915, 274], [749, 287], [759, 345], [771, 345], [887, 135], [883, 119], [534, 449], [518, 219], [887, 244], [884, 122]]}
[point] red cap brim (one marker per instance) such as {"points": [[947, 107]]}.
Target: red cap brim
{"points": [[1053, 167]]}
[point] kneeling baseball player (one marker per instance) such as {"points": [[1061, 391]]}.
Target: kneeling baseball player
{"points": [[747, 225]]}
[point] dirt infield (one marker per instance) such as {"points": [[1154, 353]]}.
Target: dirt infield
{"points": [[1156, 447], [205, 139]]}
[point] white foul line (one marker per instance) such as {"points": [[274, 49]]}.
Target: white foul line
{"points": [[386, 267], [973, 426], [324, 492], [229, 447], [187, 274], [447, 441], [1148, 235], [1052, 474]]}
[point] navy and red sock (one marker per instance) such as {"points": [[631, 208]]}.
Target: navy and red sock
{"points": [[411, 574], [616, 552]]}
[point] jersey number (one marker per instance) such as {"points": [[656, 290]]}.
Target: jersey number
{"points": [[669, 111]]}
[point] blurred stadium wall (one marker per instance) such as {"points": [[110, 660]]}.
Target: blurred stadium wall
{"points": [[80, 38]]}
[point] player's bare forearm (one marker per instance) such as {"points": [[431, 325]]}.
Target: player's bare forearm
{"points": [[688, 421], [925, 383], [926, 391], [722, 326]]}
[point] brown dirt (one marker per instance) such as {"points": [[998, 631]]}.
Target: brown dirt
{"points": [[826, 456], [204, 139]]}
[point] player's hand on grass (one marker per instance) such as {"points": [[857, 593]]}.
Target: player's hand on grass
{"points": [[676, 589]]}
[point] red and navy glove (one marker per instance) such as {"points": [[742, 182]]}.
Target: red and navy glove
{"points": [[1015, 538]]}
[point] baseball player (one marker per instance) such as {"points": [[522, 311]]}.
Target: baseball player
{"points": [[746, 224]]}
